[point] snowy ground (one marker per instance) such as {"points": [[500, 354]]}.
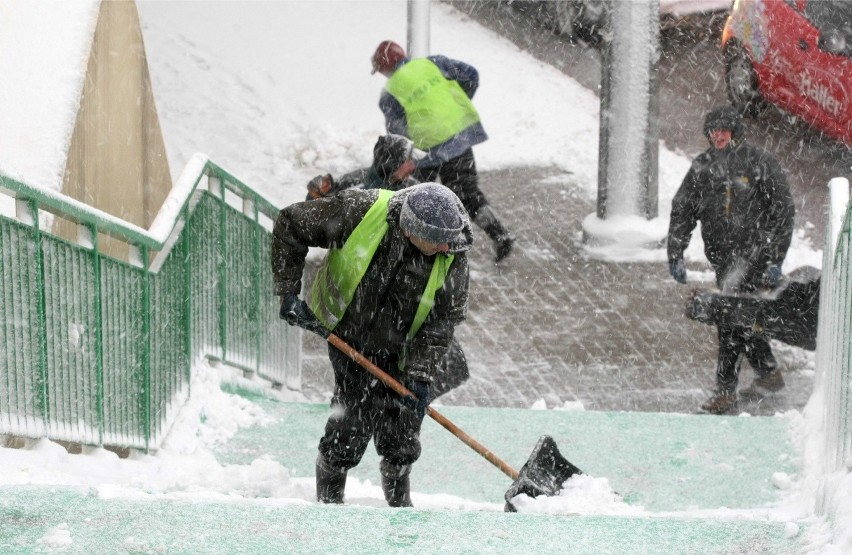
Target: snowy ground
{"points": [[276, 92]]}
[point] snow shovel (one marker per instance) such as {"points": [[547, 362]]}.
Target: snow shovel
{"points": [[789, 313], [544, 472]]}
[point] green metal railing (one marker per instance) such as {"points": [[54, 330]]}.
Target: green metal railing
{"points": [[98, 350], [834, 334]]}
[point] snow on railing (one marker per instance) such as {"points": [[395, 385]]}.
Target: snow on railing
{"points": [[834, 334], [98, 350]]}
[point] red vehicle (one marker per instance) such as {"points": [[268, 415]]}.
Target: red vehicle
{"points": [[796, 54]]}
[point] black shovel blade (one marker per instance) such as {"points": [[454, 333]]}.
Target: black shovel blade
{"points": [[543, 474]]}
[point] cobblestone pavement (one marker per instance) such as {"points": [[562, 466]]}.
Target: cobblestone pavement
{"points": [[551, 323]]}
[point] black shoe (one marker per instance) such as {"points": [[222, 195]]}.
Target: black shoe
{"points": [[722, 402], [765, 385], [397, 491], [331, 482], [503, 247], [487, 220]]}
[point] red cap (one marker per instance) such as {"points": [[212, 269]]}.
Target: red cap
{"points": [[386, 56]]}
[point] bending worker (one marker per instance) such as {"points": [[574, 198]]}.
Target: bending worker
{"points": [[394, 285]]}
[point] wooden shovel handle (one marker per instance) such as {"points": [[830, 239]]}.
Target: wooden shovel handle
{"points": [[400, 389]]}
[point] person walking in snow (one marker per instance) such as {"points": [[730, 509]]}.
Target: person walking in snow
{"points": [[429, 100], [394, 160], [394, 285], [739, 193]]}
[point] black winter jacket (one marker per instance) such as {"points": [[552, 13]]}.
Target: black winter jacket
{"points": [[383, 308], [365, 178], [740, 196]]}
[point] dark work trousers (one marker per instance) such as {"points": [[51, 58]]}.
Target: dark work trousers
{"points": [[734, 344], [458, 175], [364, 408]]}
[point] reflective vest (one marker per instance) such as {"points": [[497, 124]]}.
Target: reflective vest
{"points": [[344, 268], [436, 109]]}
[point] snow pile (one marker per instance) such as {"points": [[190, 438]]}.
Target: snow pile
{"points": [[580, 495], [183, 465]]}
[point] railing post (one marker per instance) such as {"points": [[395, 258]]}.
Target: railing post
{"points": [[146, 337], [187, 319], [87, 236], [217, 189], [139, 257], [250, 210], [31, 212]]}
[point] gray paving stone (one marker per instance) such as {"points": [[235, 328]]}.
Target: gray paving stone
{"points": [[551, 323]]}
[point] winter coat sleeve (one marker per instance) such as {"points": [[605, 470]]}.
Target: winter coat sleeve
{"points": [[395, 121], [684, 215], [780, 214], [326, 222], [464, 74], [428, 348], [350, 179]]}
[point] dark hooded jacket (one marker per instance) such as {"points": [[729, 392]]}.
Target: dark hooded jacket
{"points": [[389, 153], [385, 301], [366, 178], [740, 196]]}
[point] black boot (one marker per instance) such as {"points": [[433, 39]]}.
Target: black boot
{"points": [[722, 402], [503, 240], [503, 247], [397, 492], [331, 482], [396, 485]]}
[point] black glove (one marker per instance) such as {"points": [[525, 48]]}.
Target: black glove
{"points": [[772, 276], [677, 270], [421, 391], [296, 312]]}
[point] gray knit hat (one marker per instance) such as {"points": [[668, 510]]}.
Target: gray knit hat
{"points": [[431, 212]]}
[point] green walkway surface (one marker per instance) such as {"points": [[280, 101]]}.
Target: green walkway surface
{"points": [[113, 526], [675, 470], [660, 461]]}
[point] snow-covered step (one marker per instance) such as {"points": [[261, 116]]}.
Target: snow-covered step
{"points": [[69, 521], [653, 483], [655, 461]]}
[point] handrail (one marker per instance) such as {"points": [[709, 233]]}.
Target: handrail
{"points": [[97, 350], [167, 217]]}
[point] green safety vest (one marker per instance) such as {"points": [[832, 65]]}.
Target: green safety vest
{"points": [[436, 108], [344, 268]]}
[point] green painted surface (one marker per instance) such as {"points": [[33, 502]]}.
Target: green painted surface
{"points": [[30, 517], [663, 462], [660, 461]]}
